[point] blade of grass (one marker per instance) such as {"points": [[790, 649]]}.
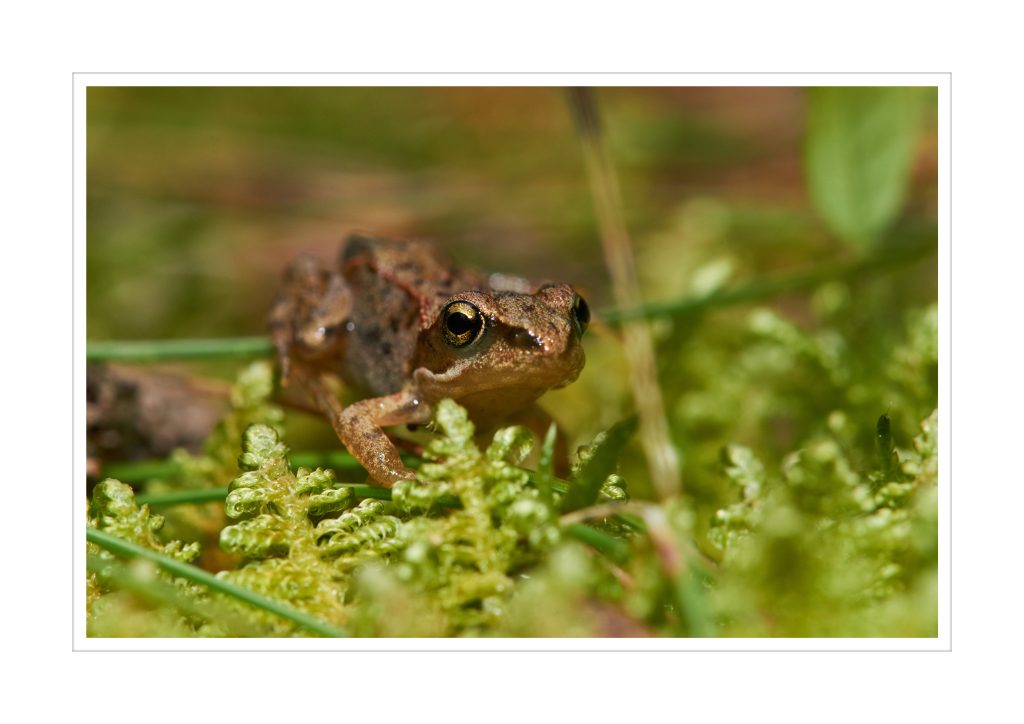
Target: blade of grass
{"points": [[662, 456], [165, 349], [614, 548], [689, 597], [182, 497], [887, 456], [157, 592], [585, 488], [207, 495], [338, 460], [544, 478], [191, 573], [133, 471], [889, 258]]}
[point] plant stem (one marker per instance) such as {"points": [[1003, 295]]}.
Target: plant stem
{"points": [[602, 510], [182, 497], [191, 573], [138, 470], [158, 350], [662, 456], [768, 288], [161, 350], [617, 550], [209, 495], [337, 460], [690, 599]]}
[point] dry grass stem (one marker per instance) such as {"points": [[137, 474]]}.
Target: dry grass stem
{"points": [[662, 457]]}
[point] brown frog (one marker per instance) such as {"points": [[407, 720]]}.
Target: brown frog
{"points": [[400, 322]]}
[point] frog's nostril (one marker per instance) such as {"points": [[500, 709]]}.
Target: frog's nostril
{"points": [[525, 339]]}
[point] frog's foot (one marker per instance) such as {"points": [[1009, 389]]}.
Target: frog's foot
{"points": [[359, 427]]}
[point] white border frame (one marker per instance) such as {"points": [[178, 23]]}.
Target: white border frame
{"points": [[82, 81]]}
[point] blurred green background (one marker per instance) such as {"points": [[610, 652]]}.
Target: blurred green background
{"points": [[198, 197]]}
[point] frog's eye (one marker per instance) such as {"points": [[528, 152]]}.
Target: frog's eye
{"points": [[461, 323], [581, 312]]}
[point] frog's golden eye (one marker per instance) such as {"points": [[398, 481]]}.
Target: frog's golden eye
{"points": [[581, 312], [461, 323]]}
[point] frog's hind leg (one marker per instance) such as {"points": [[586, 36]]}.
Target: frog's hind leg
{"points": [[307, 320], [300, 289]]}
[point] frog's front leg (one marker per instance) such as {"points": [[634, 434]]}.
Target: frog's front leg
{"points": [[359, 426]]}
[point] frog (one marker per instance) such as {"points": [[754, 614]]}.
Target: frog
{"points": [[403, 326]]}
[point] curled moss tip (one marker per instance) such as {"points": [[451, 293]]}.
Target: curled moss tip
{"points": [[256, 538], [414, 498], [244, 502], [112, 498], [329, 502], [453, 422], [260, 445], [511, 445]]}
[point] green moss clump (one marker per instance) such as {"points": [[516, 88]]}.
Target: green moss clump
{"points": [[112, 612], [467, 557], [282, 522], [218, 464], [824, 549], [303, 538]]}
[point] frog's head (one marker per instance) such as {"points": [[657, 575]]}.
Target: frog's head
{"points": [[496, 352]]}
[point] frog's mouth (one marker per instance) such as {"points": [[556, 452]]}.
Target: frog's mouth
{"points": [[570, 380], [488, 407], [465, 380]]}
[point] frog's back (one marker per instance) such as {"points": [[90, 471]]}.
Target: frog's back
{"points": [[397, 285]]}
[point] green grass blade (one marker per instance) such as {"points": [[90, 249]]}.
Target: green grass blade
{"points": [[155, 591], [544, 478], [584, 489], [191, 573], [158, 350], [182, 497], [614, 548], [693, 605], [134, 471], [207, 495], [891, 257]]}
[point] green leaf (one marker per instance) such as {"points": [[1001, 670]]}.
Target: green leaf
{"points": [[886, 447], [597, 463], [858, 155], [545, 477]]}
